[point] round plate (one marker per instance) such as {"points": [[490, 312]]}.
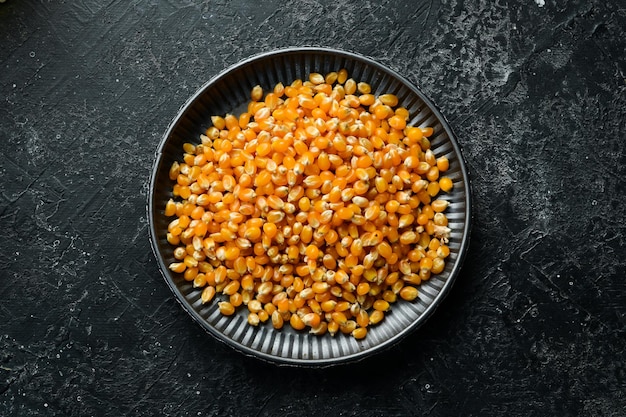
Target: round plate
{"points": [[228, 93]]}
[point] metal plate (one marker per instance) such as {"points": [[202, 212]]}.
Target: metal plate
{"points": [[229, 92]]}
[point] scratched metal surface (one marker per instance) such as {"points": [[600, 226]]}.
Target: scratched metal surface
{"points": [[536, 322]]}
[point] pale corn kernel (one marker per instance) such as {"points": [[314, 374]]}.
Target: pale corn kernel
{"points": [[350, 86], [316, 78], [253, 319], [277, 320], [256, 93]]}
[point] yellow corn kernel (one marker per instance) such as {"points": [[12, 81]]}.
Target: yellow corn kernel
{"points": [[277, 319], [208, 294], [178, 267], [381, 305], [231, 288], [445, 184], [226, 308], [362, 318], [263, 316], [296, 322], [376, 316], [389, 99], [438, 265], [320, 329], [348, 327], [408, 293], [311, 320], [359, 333], [236, 299], [439, 205]]}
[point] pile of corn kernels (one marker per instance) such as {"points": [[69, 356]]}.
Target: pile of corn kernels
{"points": [[318, 207]]}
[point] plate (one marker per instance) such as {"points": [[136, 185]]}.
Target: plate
{"points": [[228, 92]]}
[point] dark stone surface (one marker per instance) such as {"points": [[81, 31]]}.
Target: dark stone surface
{"points": [[536, 322]]}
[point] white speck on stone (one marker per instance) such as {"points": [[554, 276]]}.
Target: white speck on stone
{"points": [[540, 3], [14, 85], [45, 405]]}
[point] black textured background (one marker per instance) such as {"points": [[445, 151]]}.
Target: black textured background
{"points": [[536, 322]]}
